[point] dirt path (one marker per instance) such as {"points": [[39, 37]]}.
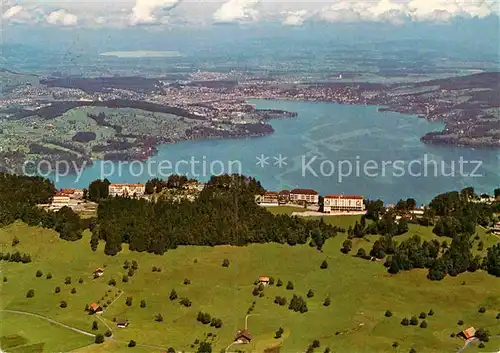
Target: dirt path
{"points": [[49, 320]]}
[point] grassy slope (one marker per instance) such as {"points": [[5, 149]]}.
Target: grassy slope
{"points": [[361, 291], [36, 331]]}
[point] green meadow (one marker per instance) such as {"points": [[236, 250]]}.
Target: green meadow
{"points": [[360, 291]]}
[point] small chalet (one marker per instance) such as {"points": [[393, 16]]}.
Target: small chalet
{"points": [[94, 308], [243, 337], [122, 324], [468, 333], [98, 272], [264, 280]]}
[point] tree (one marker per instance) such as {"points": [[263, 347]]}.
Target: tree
{"points": [[460, 322], [497, 193], [73, 290], [108, 333], [67, 280], [225, 263], [57, 290], [80, 280], [423, 324], [205, 347], [128, 301], [310, 293], [158, 318], [99, 338], [492, 260], [39, 273], [135, 265], [346, 246], [131, 343], [112, 282], [324, 265], [30, 293], [143, 303], [422, 315], [173, 295], [414, 321], [279, 333], [289, 285], [405, 322], [481, 310], [388, 313], [170, 350], [95, 326], [482, 335], [94, 242], [15, 241], [361, 253], [185, 302], [279, 283], [63, 304], [125, 279], [49, 275]]}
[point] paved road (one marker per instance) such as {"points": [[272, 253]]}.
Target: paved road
{"points": [[49, 320]]}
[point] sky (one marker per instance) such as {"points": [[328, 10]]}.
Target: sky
{"points": [[199, 13]]}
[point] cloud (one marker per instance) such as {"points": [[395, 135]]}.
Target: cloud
{"points": [[237, 11], [12, 12], [150, 11], [295, 18], [62, 18], [397, 11]]}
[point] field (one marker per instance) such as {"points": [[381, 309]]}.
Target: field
{"points": [[360, 291]]}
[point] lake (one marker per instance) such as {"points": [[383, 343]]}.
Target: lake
{"points": [[333, 148]]}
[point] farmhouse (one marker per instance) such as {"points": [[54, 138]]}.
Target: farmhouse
{"points": [[468, 333], [98, 272], [307, 196], [122, 324], [94, 308], [136, 190], [243, 337], [339, 203], [264, 280]]}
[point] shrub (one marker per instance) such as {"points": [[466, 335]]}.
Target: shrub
{"points": [[15, 241], [315, 344], [279, 283], [388, 313], [327, 302], [73, 290], [108, 333], [126, 265], [310, 293], [280, 300], [57, 290], [405, 322], [158, 318], [135, 265], [154, 269], [95, 326], [431, 312], [49, 275], [289, 285], [395, 344], [324, 265], [481, 310], [452, 334], [225, 263], [30, 293], [125, 279], [187, 281], [173, 295], [63, 304], [279, 333], [423, 324], [170, 350], [460, 322], [80, 280], [131, 273], [481, 345], [5, 279], [143, 303], [67, 280], [99, 338], [482, 335], [131, 343], [185, 302], [498, 316], [112, 282], [413, 350], [422, 315], [271, 281], [108, 301], [414, 321], [39, 273], [128, 301]]}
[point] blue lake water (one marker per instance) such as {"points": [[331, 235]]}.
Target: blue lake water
{"points": [[383, 151]]}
